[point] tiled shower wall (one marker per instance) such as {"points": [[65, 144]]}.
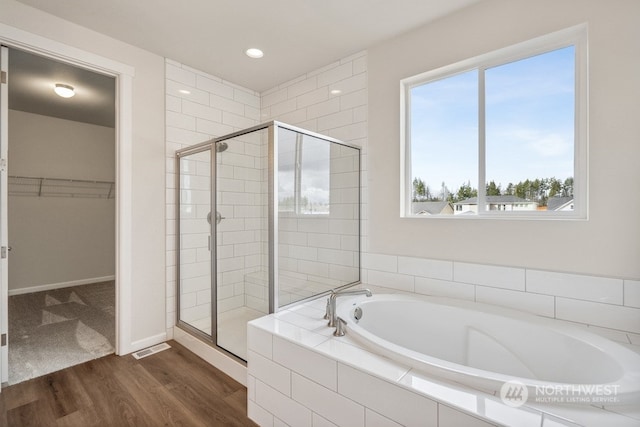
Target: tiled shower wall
{"points": [[317, 253], [312, 249], [321, 252], [195, 196], [199, 107], [242, 234]]}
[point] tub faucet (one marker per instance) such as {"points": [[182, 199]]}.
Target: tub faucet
{"points": [[331, 303], [340, 324]]}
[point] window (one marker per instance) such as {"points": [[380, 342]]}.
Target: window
{"points": [[499, 135]]}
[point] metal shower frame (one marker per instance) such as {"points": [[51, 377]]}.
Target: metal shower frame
{"points": [[272, 159]]}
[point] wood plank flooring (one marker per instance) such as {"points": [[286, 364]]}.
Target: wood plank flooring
{"points": [[171, 388]]}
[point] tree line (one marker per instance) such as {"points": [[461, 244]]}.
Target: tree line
{"points": [[538, 190]]}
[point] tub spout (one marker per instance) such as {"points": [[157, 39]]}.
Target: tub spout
{"points": [[331, 307]]}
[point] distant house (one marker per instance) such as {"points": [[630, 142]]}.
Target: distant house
{"points": [[431, 208], [495, 203], [560, 204]]}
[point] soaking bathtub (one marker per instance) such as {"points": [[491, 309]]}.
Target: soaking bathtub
{"points": [[484, 346]]}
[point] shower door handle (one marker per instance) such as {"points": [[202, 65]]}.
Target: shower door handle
{"points": [[219, 217]]}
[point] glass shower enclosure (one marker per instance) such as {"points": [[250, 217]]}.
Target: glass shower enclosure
{"points": [[267, 217]]}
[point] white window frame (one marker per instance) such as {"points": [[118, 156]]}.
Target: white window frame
{"points": [[575, 36]]}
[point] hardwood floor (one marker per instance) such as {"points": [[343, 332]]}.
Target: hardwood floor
{"points": [[171, 388]]}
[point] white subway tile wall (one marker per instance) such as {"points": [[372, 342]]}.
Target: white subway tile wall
{"points": [[398, 404], [632, 293], [312, 365], [316, 253], [195, 300], [609, 303], [199, 107], [597, 289], [489, 275], [450, 417]]}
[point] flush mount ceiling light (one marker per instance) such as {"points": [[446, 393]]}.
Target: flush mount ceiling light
{"points": [[64, 91], [184, 91], [335, 92], [254, 53]]}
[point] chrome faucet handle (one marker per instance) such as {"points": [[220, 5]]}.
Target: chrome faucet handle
{"points": [[340, 327]]}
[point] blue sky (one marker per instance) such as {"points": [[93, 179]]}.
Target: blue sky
{"points": [[529, 123]]}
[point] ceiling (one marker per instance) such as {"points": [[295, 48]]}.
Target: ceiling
{"points": [[211, 35], [297, 36], [32, 79]]}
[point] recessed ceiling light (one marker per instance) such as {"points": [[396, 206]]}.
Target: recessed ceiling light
{"points": [[64, 91], [254, 53], [335, 92], [184, 91]]}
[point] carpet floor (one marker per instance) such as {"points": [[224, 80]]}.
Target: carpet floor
{"points": [[52, 330]]}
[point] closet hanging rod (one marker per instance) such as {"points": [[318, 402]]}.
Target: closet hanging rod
{"points": [[60, 187], [88, 181]]}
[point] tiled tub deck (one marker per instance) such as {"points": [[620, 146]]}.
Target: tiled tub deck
{"points": [[299, 374]]}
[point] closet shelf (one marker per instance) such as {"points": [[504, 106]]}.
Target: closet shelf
{"points": [[57, 187]]}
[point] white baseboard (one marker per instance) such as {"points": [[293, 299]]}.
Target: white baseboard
{"points": [[145, 342], [50, 286], [226, 364]]}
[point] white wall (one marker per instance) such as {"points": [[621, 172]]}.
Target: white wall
{"points": [[608, 244], [148, 251], [56, 240]]}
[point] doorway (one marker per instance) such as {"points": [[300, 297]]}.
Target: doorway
{"points": [[61, 210]]}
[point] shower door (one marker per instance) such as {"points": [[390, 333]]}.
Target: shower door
{"points": [[194, 253], [267, 217], [223, 238], [241, 237]]}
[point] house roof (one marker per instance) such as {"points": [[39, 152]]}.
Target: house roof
{"points": [[495, 200], [555, 203], [428, 207]]}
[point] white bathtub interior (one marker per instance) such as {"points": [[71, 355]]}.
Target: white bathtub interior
{"points": [[486, 346]]}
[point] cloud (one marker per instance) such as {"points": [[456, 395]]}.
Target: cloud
{"points": [[551, 144]]}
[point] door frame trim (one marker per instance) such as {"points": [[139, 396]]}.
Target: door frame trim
{"points": [[124, 74]]}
